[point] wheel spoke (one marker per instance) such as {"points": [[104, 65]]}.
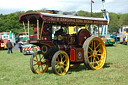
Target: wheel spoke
{"points": [[65, 65], [98, 58], [56, 66], [63, 68], [97, 46], [91, 59], [56, 62], [99, 54], [89, 52], [36, 58], [57, 59], [62, 57], [94, 44], [42, 67], [42, 57], [98, 50], [36, 68], [64, 61], [90, 48], [59, 69], [35, 64], [44, 61], [39, 57], [90, 56], [97, 62], [39, 67]]}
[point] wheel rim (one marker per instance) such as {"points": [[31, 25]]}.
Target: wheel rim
{"points": [[38, 63], [61, 63], [96, 53]]}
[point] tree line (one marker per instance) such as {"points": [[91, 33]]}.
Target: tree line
{"points": [[9, 22]]}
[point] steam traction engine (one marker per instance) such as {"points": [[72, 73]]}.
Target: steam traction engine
{"points": [[65, 50]]}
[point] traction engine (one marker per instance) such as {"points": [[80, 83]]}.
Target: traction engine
{"points": [[65, 51]]}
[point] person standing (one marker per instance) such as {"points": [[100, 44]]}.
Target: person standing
{"points": [[20, 45], [9, 46]]}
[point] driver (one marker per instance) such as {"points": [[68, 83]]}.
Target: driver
{"points": [[47, 29]]}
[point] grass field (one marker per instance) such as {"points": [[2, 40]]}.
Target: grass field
{"points": [[15, 70]]}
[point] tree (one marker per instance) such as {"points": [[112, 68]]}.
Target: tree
{"points": [[98, 15], [123, 19], [114, 22], [83, 13]]}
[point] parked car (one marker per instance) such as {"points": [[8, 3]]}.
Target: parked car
{"points": [[116, 37], [108, 41], [123, 34]]}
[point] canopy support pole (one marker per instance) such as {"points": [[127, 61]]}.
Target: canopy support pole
{"points": [[76, 28], [37, 29], [42, 29], [28, 31], [98, 31], [24, 28]]}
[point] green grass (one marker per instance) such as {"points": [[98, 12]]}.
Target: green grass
{"points": [[15, 70]]}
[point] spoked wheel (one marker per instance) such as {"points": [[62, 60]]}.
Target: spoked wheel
{"points": [[60, 63], [73, 66], [94, 53], [38, 64]]}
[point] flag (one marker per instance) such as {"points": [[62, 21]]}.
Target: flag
{"points": [[103, 0], [92, 1]]}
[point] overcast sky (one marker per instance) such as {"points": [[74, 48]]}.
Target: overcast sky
{"points": [[10, 6]]}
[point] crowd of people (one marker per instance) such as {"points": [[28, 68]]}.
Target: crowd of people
{"points": [[10, 46]]}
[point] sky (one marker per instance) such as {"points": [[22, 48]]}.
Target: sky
{"points": [[11, 6]]}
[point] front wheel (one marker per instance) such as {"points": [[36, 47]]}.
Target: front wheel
{"points": [[38, 63], [60, 63], [94, 53]]}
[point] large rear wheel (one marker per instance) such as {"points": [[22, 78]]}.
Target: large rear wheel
{"points": [[60, 63], [94, 53], [38, 63]]}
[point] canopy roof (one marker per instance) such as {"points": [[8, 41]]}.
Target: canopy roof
{"points": [[59, 18]]}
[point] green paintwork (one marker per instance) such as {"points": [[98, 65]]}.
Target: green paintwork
{"points": [[110, 41]]}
